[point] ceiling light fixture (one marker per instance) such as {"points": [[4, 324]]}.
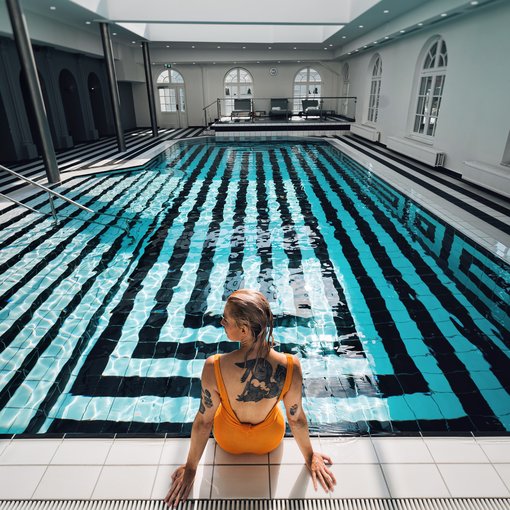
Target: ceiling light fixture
{"points": [[386, 37], [402, 31], [53, 8], [444, 15], [330, 45], [360, 26], [88, 22], [386, 11], [344, 37], [168, 46], [474, 2], [420, 24], [193, 47], [114, 33], [244, 47], [218, 47]]}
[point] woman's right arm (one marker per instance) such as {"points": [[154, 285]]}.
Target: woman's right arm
{"points": [[298, 423], [184, 476]]}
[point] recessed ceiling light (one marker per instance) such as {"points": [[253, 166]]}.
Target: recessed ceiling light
{"points": [[279, 61], [133, 42], [349, 53], [269, 47], [214, 62], [375, 42], [194, 63], [218, 47], [244, 47], [402, 31], [325, 48], [52, 8], [420, 24], [88, 22], [330, 45], [344, 36], [168, 46], [444, 15], [258, 62], [114, 33], [295, 48], [474, 2], [386, 37], [356, 50], [365, 46], [386, 11], [360, 26], [193, 46]]}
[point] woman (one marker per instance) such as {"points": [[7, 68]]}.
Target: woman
{"points": [[240, 395]]}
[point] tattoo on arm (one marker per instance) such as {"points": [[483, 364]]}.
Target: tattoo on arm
{"points": [[205, 401], [293, 409]]}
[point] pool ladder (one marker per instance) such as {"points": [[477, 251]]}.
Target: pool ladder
{"points": [[51, 194]]}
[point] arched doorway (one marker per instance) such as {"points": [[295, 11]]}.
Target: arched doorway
{"points": [[72, 105], [97, 104], [30, 111], [7, 149]]}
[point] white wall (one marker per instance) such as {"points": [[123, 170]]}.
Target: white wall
{"points": [[204, 83], [474, 119]]}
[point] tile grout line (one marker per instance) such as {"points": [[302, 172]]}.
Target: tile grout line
{"points": [[46, 469], [102, 467], [437, 467]]}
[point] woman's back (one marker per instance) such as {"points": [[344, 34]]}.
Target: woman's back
{"points": [[255, 386]]}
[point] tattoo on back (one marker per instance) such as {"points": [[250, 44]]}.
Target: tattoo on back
{"points": [[262, 383], [205, 401], [293, 409]]}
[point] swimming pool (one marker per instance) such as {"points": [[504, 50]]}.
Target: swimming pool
{"points": [[401, 323]]}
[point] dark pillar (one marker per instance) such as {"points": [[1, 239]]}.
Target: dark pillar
{"points": [[150, 87], [112, 82], [26, 57]]}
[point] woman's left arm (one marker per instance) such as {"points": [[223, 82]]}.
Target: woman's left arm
{"points": [[184, 476]]}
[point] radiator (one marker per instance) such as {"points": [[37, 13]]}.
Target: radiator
{"points": [[415, 150], [268, 504], [496, 178], [367, 132]]}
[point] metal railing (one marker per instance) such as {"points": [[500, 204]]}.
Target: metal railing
{"points": [[286, 109], [51, 194]]}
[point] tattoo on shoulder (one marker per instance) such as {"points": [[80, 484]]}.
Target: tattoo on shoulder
{"points": [[205, 401], [261, 382], [293, 409]]}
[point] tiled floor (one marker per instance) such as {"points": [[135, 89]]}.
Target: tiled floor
{"points": [[377, 467]]}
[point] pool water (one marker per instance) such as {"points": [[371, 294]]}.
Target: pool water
{"points": [[401, 323]]}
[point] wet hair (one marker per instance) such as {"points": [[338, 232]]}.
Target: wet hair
{"points": [[250, 308]]}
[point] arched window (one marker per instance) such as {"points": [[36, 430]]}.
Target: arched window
{"points": [[375, 90], [307, 85], [430, 90], [171, 91], [238, 85]]}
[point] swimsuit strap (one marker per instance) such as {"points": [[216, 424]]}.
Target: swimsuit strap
{"points": [[288, 377], [221, 386]]}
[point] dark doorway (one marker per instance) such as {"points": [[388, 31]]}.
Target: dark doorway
{"points": [[30, 111], [7, 150], [97, 104], [72, 106]]}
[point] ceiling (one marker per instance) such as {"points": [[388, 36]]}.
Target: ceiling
{"points": [[281, 24], [245, 28]]}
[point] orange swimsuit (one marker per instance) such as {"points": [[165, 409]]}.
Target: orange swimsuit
{"points": [[236, 437]]}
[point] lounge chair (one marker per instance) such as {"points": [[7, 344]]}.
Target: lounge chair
{"points": [[311, 108], [280, 108], [242, 109]]}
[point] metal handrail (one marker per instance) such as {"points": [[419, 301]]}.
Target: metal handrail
{"points": [[48, 190], [52, 193], [204, 109]]}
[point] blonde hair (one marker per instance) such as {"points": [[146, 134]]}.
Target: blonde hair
{"points": [[251, 309]]}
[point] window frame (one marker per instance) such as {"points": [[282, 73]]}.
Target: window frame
{"points": [[429, 91], [374, 92], [174, 91], [308, 85]]}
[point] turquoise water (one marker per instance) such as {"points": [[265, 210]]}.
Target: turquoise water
{"points": [[401, 324]]}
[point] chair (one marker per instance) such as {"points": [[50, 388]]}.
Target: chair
{"points": [[242, 109], [311, 108], [280, 108]]}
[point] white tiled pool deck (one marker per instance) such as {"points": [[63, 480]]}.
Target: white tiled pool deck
{"points": [[365, 467]]}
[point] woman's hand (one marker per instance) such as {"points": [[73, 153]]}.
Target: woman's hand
{"points": [[320, 472], [182, 481]]}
